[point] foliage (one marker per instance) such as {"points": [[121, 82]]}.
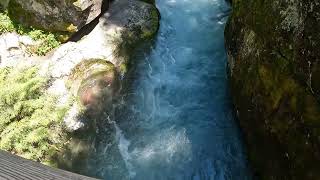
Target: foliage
{"points": [[30, 123], [6, 25], [48, 41]]}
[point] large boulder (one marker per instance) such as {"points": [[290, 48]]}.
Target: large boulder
{"points": [[90, 69], [125, 24], [274, 60], [57, 15], [94, 83]]}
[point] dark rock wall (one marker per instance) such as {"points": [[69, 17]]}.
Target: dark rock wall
{"points": [[274, 52]]}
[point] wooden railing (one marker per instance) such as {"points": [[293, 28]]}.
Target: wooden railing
{"points": [[16, 168]]}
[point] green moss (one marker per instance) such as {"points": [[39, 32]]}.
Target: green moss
{"points": [[30, 122], [274, 84], [123, 69], [71, 28], [149, 32], [87, 70], [90, 67]]}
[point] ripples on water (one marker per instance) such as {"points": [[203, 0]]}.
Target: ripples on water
{"points": [[176, 119]]}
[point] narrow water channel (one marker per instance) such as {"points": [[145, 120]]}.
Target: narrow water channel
{"points": [[176, 121]]}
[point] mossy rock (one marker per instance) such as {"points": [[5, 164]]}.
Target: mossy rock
{"points": [[62, 16], [92, 79], [274, 75]]}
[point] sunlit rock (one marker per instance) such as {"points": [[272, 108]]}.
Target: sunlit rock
{"points": [[90, 68], [61, 15], [14, 49]]}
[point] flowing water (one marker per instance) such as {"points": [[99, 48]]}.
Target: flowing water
{"points": [[176, 119]]}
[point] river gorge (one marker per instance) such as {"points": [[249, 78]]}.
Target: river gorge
{"points": [[160, 89], [175, 119]]}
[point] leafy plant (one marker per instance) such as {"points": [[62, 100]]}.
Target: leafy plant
{"points": [[30, 122]]}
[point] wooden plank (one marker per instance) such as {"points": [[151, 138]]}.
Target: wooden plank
{"points": [[13, 167]]}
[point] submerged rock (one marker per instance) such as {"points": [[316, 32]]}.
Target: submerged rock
{"points": [[58, 15], [273, 49]]}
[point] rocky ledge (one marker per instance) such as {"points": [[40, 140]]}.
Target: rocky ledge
{"points": [[82, 76], [273, 52]]}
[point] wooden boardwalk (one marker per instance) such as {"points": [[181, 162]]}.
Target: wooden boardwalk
{"points": [[16, 168]]}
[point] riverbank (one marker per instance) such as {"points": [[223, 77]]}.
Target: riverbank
{"points": [[76, 77]]}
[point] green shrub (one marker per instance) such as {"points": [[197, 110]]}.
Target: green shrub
{"points": [[6, 25], [48, 41], [30, 122]]}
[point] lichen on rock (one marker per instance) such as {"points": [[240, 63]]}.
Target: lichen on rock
{"points": [[274, 72]]}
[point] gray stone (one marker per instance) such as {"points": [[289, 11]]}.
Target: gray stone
{"points": [[14, 49], [57, 15], [126, 23]]}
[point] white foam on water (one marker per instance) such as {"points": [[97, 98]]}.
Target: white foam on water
{"points": [[123, 148], [123, 145], [168, 147]]}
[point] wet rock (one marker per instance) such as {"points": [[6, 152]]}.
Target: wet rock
{"points": [[91, 80], [90, 68], [73, 120], [274, 57], [58, 15], [95, 83]]}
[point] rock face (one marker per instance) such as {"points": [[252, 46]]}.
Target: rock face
{"points": [[90, 68], [57, 15], [274, 56]]}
